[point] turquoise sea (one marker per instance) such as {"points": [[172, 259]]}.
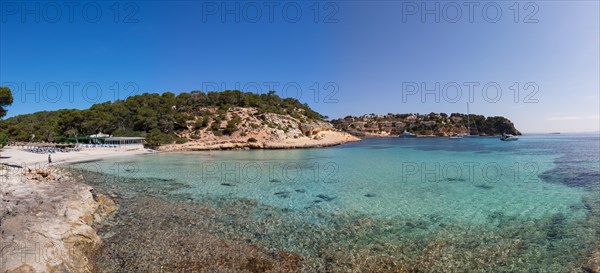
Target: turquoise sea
{"points": [[380, 205]]}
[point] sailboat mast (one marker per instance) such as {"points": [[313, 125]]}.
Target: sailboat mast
{"points": [[468, 121]]}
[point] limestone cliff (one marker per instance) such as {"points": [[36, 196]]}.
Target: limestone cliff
{"points": [[246, 127]]}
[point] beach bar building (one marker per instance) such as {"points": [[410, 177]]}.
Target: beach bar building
{"points": [[124, 141], [103, 140]]}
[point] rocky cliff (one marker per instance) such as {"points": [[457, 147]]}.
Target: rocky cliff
{"points": [[246, 127], [433, 124]]}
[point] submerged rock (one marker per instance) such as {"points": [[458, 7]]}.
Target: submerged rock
{"points": [[420, 224], [456, 179], [593, 265], [283, 194], [572, 176], [325, 197], [495, 215], [485, 186]]}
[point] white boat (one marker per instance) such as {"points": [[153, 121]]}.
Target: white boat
{"points": [[508, 137], [455, 137], [407, 134]]}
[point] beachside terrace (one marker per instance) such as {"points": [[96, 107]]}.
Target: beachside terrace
{"points": [[107, 141]]}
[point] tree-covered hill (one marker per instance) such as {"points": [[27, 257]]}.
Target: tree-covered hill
{"points": [[6, 99], [156, 116]]}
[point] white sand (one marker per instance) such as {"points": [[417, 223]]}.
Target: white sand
{"points": [[13, 156]]}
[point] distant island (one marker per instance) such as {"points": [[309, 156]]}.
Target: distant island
{"points": [[433, 124]]}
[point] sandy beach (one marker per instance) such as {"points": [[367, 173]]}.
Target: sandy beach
{"points": [[13, 156], [46, 214]]}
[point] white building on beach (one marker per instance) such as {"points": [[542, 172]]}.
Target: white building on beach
{"points": [[101, 140], [124, 141]]}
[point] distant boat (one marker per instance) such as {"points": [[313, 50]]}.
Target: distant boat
{"points": [[557, 133], [407, 134], [508, 137], [468, 134]]}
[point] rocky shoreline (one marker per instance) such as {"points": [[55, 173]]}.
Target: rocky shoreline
{"points": [[47, 218], [47, 213]]}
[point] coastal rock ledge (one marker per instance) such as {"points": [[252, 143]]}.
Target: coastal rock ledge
{"points": [[46, 221], [250, 129], [593, 265]]}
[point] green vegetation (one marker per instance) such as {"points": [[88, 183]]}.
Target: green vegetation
{"points": [[429, 124], [6, 99], [155, 138], [202, 122], [232, 125], [158, 117], [181, 140], [3, 140]]}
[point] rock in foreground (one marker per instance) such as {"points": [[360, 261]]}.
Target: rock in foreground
{"points": [[46, 220]]}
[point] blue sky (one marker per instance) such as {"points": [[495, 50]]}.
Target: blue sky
{"points": [[350, 58]]}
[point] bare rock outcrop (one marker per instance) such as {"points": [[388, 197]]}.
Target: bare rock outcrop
{"points": [[247, 128], [593, 264], [46, 221]]}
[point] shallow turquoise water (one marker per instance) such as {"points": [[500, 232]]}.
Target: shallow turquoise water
{"points": [[458, 180], [379, 205]]}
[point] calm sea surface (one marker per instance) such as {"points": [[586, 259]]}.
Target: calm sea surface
{"points": [[385, 204]]}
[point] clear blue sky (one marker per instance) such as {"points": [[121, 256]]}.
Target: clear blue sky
{"points": [[364, 56]]}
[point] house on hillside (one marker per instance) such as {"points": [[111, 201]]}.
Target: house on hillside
{"points": [[371, 127], [358, 125], [411, 119], [428, 123], [456, 119], [387, 126]]}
